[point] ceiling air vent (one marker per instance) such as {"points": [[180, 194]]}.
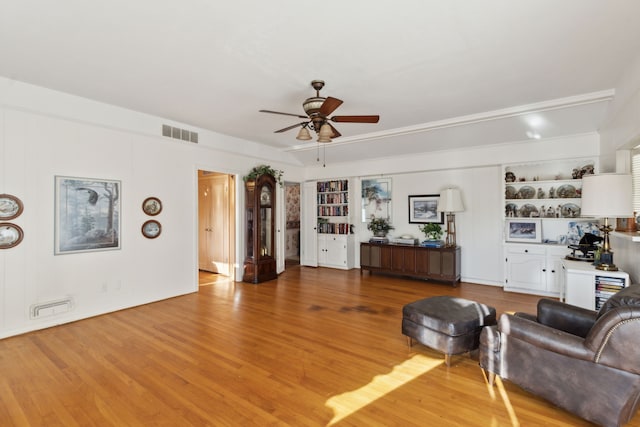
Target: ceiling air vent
{"points": [[177, 133]]}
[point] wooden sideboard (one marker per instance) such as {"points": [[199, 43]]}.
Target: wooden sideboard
{"points": [[442, 264]]}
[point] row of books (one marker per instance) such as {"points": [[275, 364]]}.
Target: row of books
{"points": [[332, 228], [342, 210], [339, 185], [605, 287], [332, 198]]}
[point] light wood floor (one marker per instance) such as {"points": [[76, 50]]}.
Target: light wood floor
{"points": [[317, 347]]}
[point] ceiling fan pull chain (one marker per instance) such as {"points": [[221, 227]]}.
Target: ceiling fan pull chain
{"points": [[324, 155]]}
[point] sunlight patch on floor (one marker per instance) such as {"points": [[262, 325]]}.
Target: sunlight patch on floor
{"points": [[507, 403], [350, 402]]}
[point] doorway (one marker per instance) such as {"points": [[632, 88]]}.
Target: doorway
{"points": [[216, 227], [292, 223]]}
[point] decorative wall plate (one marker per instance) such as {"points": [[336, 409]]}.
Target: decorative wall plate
{"points": [[152, 206], [151, 229], [527, 210], [10, 235], [510, 192], [10, 207], [527, 192], [566, 191]]}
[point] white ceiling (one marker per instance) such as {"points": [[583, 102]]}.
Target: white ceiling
{"points": [[441, 74]]}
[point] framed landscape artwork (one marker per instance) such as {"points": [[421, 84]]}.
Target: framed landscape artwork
{"points": [[376, 198], [87, 215], [424, 209], [524, 230]]}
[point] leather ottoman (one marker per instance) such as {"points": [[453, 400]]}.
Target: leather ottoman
{"points": [[448, 324]]}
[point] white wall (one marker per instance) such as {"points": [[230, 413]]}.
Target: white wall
{"points": [[43, 134], [478, 174]]}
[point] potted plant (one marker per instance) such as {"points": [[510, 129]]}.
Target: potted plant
{"points": [[432, 230], [379, 226], [264, 170]]}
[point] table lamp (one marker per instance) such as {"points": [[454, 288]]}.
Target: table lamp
{"points": [[607, 195], [450, 202]]}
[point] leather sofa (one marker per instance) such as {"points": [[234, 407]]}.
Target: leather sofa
{"points": [[584, 361]]}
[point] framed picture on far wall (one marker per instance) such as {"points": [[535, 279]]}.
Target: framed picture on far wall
{"points": [[424, 209], [87, 215], [524, 230], [376, 198]]}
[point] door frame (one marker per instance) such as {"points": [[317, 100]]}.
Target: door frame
{"points": [[232, 229]]}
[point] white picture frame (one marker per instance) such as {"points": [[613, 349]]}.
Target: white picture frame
{"points": [[523, 230], [376, 198]]}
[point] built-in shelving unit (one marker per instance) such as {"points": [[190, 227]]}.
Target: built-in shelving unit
{"points": [[333, 206], [550, 192]]}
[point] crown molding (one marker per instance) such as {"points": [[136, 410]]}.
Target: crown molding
{"points": [[554, 104]]}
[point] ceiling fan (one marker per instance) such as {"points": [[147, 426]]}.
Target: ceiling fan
{"points": [[318, 110]]}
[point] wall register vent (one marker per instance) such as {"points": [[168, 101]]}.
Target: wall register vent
{"points": [[177, 133], [51, 308]]}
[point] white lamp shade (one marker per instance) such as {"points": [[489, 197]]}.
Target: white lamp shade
{"points": [[607, 195], [450, 201]]}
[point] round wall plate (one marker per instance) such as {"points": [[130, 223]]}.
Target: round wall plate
{"points": [[151, 229], [10, 207], [152, 206], [10, 235]]}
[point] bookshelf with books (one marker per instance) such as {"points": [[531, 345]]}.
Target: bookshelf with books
{"points": [[335, 237], [333, 206]]}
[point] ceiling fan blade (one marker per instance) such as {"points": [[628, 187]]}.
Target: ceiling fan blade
{"points": [[335, 131], [284, 114], [291, 127], [355, 119], [329, 105]]}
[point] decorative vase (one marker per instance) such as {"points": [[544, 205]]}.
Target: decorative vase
{"points": [[380, 233]]}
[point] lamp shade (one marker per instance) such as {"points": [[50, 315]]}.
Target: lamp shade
{"points": [[303, 135], [325, 133], [607, 195], [450, 201]]}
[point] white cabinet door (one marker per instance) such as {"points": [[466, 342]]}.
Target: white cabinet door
{"points": [[336, 251], [308, 225], [526, 272], [525, 268], [322, 249], [555, 274]]}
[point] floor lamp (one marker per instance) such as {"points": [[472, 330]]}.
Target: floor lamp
{"points": [[607, 195], [450, 202]]}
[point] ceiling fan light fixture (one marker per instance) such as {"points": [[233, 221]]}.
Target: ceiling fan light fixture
{"points": [[325, 133], [303, 134], [312, 105]]}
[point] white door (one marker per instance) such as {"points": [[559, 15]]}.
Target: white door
{"points": [[213, 224], [308, 225], [281, 213]]}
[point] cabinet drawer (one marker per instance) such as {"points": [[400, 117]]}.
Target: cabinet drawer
{"points": [[524, 250]]}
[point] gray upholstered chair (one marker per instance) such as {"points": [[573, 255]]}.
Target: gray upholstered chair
{"points": [[584, 361]]}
